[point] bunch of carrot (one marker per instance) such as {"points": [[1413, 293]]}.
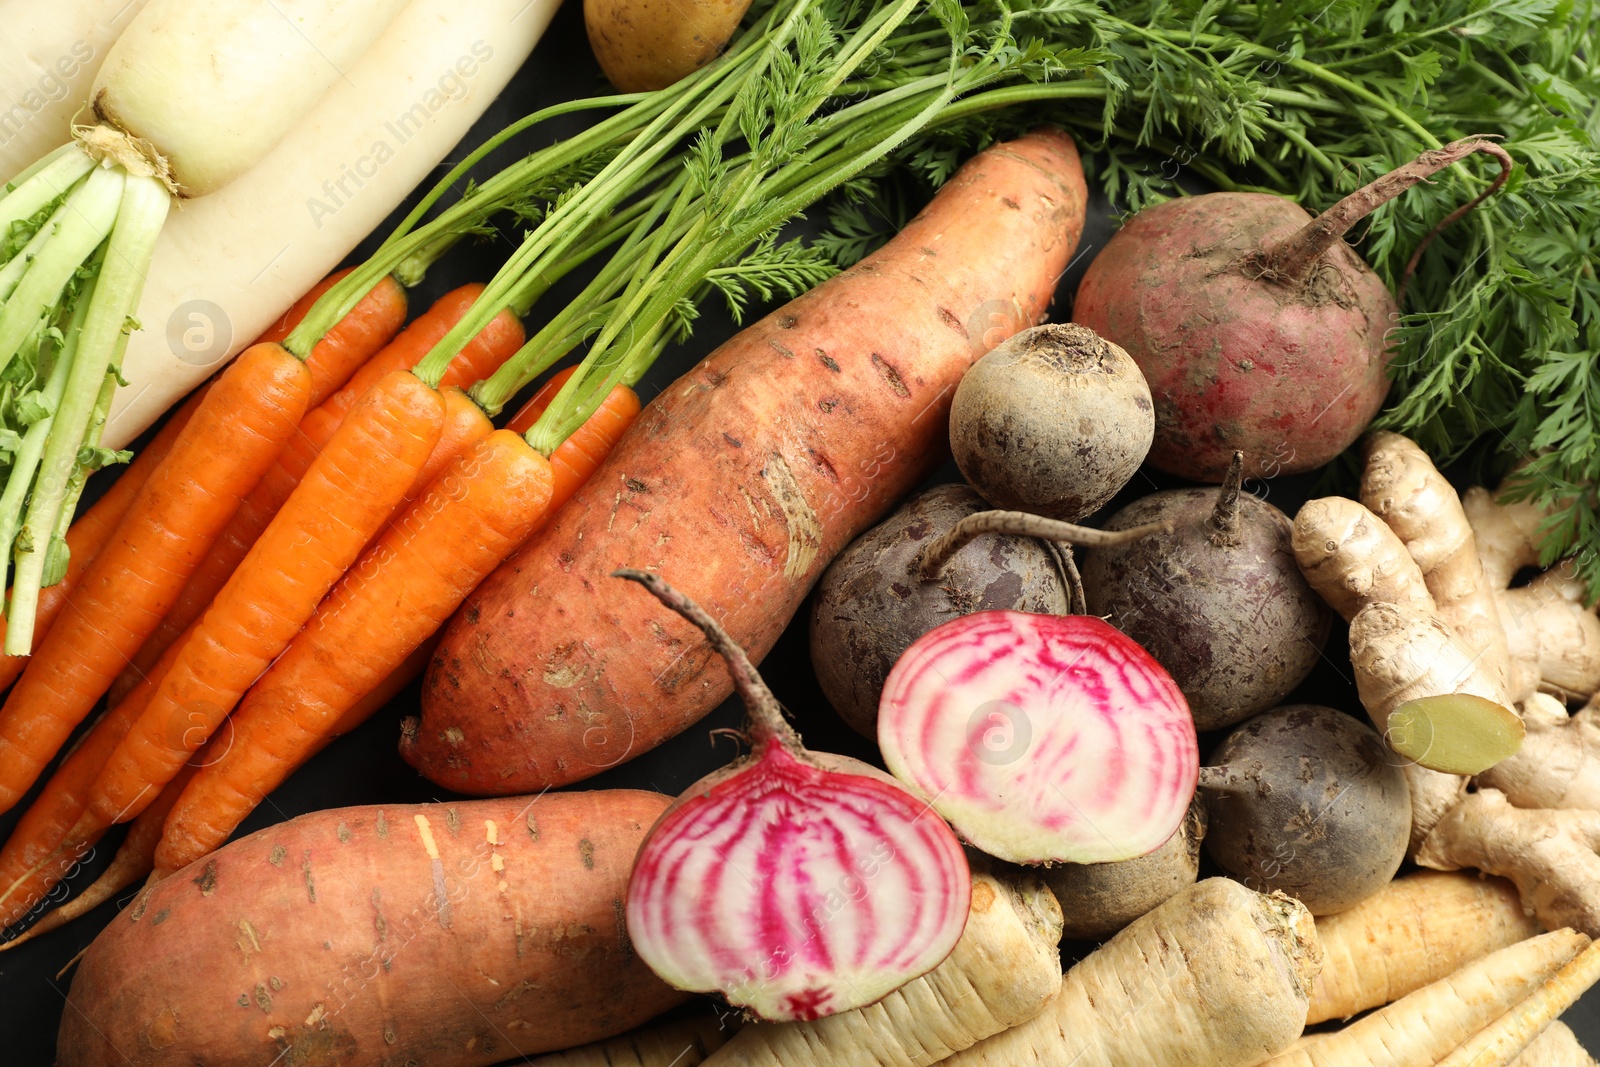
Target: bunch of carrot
{"points": [[277, 560]]}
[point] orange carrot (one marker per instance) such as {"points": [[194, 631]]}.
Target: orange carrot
{"points": [[343, 350], [403, 589], [90, 531], [134, 860], [576, 458], [347, 496], [44, 827], [480, 357], [465, 425], [529, 413], [235, 434]]}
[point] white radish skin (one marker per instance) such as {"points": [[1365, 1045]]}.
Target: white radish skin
{"points": [[212, 85], [50, 53], [1215, 977], [250, 250]]}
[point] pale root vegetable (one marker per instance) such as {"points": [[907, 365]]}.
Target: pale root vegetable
{"points": [[872, 602], [227, 265], [1508, 534], [448, 934], [1503, 1040], [1402, 652], [1552, 636], [48, 60], [1352, 558], [1041, 738], [1054, 421], [1219, 602], [649, 44], [742, 481], [1216, 977], [1259, 328], [1557, 1046], [681, 1043], [796, 884], [1002, 973], [1429, 692], [1549, 855], [1306, 800], [1099, 899], [1558, 765], [201, 92], [1402, 487], [1415, 931], [1422, 1028]]}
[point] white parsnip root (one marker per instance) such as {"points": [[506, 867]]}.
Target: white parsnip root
{"points": [[1502, 1041], [680, 1043], [1415, 931], [1422, 1028], [1218, 976], [1557, 1047]]}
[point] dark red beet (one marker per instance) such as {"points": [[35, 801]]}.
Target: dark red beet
{"points": [[1256, 326]]}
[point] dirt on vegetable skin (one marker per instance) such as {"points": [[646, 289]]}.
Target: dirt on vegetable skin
{"points": [[1054, 421], [873, 600]]}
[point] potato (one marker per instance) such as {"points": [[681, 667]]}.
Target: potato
{"points": [[451, 935], [649, 44]]}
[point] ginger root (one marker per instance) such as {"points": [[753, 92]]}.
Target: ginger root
{"points": [[1352, 558], [1550, 855], [1558, 765], [1403, 488]]}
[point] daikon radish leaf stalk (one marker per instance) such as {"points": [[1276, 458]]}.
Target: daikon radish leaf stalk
{"points": [[1042, 738], [797, 884], [192, 95]]}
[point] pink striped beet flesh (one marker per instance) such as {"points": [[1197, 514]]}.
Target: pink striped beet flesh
{"points": [[797, 888], [1041, 738]]}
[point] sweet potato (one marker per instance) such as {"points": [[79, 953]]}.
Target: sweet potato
{"points": [[738, 485], [447, 934]]}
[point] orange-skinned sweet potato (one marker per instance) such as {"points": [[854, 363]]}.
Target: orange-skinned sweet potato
{"points": [[451, 935], [739, 483]]}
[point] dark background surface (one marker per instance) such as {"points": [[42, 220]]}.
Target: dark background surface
{"points": [[364, 766]]}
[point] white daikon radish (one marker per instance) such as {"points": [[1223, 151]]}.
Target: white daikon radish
{"points": [[227, 265], [212, 86], [193, 93], [50, 51]]}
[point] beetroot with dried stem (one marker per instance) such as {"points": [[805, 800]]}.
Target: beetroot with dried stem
{"points": [[1055, 420], [1307, 800], [1042, 738], [1258, 328], [796, 884], [937, 558], [1220, 602]]}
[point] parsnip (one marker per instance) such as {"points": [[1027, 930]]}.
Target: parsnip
{"points": [[681, 1043], [1423, 1027], [49, 56], [1217, 976], [1557, 1047], [227, 265], [1503, 1040], [1415, 931]]}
